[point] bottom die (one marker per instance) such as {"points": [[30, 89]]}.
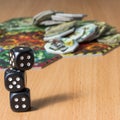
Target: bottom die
{"points": [[20, 101]]}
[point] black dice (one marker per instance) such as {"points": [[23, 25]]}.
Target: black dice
{"points": [[20, 101], [21, 58], [15, 80]]}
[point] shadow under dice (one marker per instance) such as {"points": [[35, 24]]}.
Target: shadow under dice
{"points": [[15, 80], [20, 101], [21, 58]]}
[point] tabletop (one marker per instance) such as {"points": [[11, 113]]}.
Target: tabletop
{"points": [[73, 88]]}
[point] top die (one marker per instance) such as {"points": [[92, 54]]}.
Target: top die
{"points": [[21, 58]]}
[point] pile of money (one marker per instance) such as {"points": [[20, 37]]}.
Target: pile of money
{"points": [[64, 32]]}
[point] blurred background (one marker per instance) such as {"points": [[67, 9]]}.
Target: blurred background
{"points": [[103, 10]]}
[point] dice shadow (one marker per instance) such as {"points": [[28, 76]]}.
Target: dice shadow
{"points": [[50, 100]]}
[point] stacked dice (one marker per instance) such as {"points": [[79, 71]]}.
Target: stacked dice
{"points": [[21, 59]]}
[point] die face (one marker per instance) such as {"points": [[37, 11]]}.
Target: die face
{"points": [[20, 101], [21, 58], [21, 49], [15, 80], [25, 61], [12, 58]]}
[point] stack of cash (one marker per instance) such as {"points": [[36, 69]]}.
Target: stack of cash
{"points": [[64, 32]]}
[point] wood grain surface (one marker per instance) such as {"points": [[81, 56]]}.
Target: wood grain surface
{"points": [[75, 88]]}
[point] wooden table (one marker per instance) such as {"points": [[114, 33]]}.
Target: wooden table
{"points": [[76, 88]]}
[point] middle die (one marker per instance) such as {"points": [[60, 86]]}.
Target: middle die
{"points": [[14, 80], [21, 58]]}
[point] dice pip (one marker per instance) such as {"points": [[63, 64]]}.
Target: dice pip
{"points": [[20, 101], [21, 59]]}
